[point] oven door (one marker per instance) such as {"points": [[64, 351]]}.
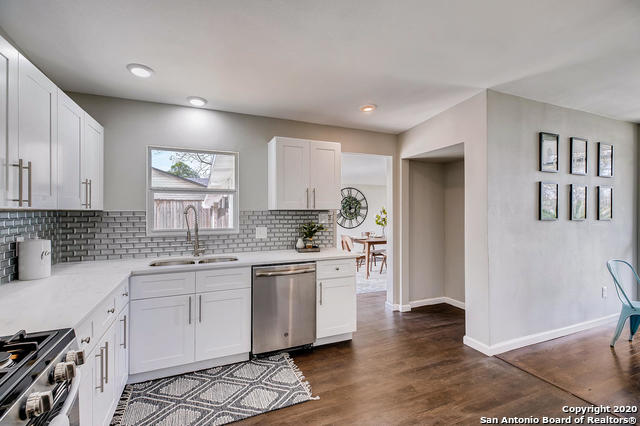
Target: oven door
{"points": [[66, 411]]}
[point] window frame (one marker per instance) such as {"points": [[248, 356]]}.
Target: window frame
{"points": [[150, 191]]}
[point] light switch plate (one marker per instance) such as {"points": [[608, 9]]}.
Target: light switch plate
{"points": [[323, 218], [261, 232]]}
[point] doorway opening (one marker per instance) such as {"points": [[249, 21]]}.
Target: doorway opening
{"points": [[365, 218], [436, 214]]}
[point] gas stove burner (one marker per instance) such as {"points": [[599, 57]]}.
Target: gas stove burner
{"points": [[5, 360]]}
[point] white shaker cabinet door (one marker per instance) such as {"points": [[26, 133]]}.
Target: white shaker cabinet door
{"points": [[161, 333], [223, 323], [122, 350], [325, 175], [104, 386], [92, 162], [291, 166], [8, 124], [336, 306], [37, 135], [71, 191]]}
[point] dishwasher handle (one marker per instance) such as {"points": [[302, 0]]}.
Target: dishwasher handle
{"points": [[287, 272], [275, 271]]}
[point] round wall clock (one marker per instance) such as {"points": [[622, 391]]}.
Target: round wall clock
{"points": [[353, 208]]}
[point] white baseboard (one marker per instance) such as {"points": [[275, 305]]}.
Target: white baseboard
{"points": [[397, 307], [435, 301], [532, 339]]}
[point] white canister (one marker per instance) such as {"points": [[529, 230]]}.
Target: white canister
{"points": [[34, 259]]}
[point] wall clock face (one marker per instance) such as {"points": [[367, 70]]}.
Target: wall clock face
{"points": [[353, 208]]}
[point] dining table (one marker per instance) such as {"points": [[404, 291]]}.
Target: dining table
{"points": [[369, 242]]}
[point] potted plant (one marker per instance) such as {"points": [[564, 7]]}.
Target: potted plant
{"points": [[309, 230], [381, 219]]}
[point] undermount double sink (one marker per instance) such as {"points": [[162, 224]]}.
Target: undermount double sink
{"points": [[193, 261]]}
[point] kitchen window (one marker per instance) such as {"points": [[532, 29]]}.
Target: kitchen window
{"points": [[178, 177]]}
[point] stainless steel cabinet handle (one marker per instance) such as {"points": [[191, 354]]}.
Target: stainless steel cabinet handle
{"points": [[29, 184], [278, 273], [106, 362], [90, 190], [189, 309], [125, 294], [321, 293], [86, 340], [21, 167], [86, 193], [307, 196], [314, 198], [110, 311], [101, 356], [200, 308], [124, 332]]}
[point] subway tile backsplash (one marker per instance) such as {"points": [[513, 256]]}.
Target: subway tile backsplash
{"points": [[102, 235]]}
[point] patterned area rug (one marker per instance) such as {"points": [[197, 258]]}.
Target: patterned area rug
{"points": [[215, 396]]}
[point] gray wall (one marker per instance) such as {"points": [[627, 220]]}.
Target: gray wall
{"points": [[426, 220], [132, 125], [547, 275], [454, 230]]}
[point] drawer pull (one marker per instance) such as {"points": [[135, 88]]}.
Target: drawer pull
{"points": [[86, 340], [110, 311], [337, 268], [125, 294]]}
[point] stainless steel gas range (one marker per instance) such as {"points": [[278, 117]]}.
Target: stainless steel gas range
{"points": [[38, 378]]}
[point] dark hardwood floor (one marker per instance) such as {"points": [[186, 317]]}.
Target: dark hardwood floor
{"points": [[583, 364], [412, 368]]}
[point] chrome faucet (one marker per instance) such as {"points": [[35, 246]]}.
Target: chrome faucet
{"points": [[197, 251]]}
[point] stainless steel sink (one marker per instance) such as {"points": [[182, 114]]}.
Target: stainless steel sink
{"points": [[172, 262], [218, 259]]}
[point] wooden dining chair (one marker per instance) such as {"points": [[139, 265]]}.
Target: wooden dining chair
{"points": [[384, 261], [347, 245]]}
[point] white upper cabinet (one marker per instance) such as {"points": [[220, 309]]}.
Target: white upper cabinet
{"points": [[37, 138], [51, 151], [303, 174], [71, 194], [92, 163], [325, 174], [8, 121]]}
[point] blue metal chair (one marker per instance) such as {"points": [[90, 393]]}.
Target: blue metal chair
{"points": [[630, 308]]}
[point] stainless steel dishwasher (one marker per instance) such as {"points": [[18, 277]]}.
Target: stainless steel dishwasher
{"points": [[283, 306]]}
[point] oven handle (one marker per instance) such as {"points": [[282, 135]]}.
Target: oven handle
{"points": [[62, 418]]}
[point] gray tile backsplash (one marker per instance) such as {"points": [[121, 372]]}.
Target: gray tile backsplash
{"points": [[97, 235]]}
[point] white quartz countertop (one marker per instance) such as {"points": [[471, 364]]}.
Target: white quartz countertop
{"points": [[75, 289]]}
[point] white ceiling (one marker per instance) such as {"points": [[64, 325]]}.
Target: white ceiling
{"points": [[364, 169], [318, 61]]}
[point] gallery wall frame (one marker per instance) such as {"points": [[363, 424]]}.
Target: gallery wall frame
{"points": [[578, 199], [548, 152], [548, 201], [578, 157], [605, 160], [605, 202]]}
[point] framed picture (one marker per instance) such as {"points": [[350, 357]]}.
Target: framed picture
{"points": [[548, 201], [605, 160], [549, 152], [578, 156], [578, 196], [605, 203]]}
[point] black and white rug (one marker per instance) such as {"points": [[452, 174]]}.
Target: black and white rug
{"points": [[215, 396]]}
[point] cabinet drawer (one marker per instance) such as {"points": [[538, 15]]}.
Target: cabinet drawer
{"points": [[122, 295], [103, 316], [223, 279], [335, 268], [160, 285]]}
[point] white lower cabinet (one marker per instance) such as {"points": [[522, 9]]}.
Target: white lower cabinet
{"points": [[162, 333], [85, 391], [336, 304], [104, 378], [223, 327]]}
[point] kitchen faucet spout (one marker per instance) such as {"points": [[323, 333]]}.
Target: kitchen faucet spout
{"points": [[197, 251]]}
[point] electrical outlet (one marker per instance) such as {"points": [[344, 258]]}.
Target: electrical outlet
{"points": [[261, 232], [604, 291]]}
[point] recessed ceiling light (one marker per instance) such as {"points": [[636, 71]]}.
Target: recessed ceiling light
{"points": [[140, 70], [368, 108], [196, 101]]}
